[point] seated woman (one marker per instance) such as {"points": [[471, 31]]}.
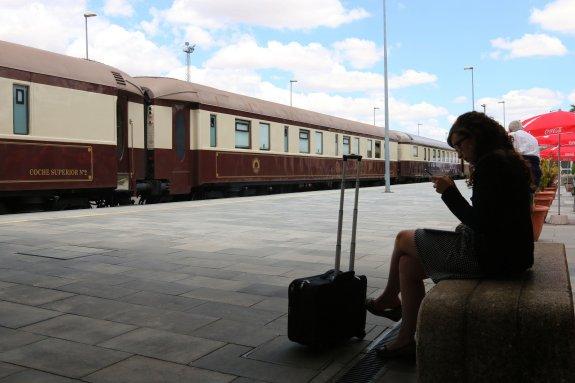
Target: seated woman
{"points": [[495, 238]]}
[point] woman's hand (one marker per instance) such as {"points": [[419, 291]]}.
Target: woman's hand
{"points": [[442, 183]]}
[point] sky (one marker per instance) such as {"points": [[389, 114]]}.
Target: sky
{"points": [[522, 52]]}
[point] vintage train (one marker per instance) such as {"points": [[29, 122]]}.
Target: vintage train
{"points": [[75, 132]]}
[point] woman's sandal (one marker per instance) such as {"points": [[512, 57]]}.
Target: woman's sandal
{"points": [[405, 352], [393, 314]]}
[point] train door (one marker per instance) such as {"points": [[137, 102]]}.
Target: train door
{"points": [[180, 182], [122, 149]]}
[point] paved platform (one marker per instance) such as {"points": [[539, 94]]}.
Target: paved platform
{"points": [[194, 291]]}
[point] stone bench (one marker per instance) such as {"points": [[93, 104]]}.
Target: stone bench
{"points": [[519, 330]]}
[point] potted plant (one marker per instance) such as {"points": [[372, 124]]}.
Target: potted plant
{"points": [[549, 172]]}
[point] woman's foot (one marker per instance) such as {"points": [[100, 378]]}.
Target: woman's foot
{"points": [[392, 311], [405, 350]]}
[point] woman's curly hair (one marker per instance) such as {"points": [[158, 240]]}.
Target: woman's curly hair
{"points": [[488, 136]]}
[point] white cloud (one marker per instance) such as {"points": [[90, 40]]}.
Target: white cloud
{"points": [[460, 100], [571, 97], [523, 103], [528, 46], [127, 50], [557, 16], [118, 8], [40, 24], [316, 67], [359, 53], [287, 14]]}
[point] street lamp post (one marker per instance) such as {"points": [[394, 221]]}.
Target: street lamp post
{"points": [[291, 91], [484, 108], [503, 103], [86, 15], [374, 109], [386, 144], [188, 49], [418, 125], [472, 86]]}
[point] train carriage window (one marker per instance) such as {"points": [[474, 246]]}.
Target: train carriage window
{"points": [[213, 130], [433, 154], [243, 140], [318, 143], [286, 138], [21, 109], [369, 148], [424, 154], [415, 151], [264, 136], [346, 145], [443, 156], [377, 149], [303, 141], [356, 145], [337, 144], [180, 138]]}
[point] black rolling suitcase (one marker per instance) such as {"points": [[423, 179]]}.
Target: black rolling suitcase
{"points": [[330, 308]]}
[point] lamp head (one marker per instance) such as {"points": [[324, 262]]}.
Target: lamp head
{"points": [[89, 14], [468, 68]]}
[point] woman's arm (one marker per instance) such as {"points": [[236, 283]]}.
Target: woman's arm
{"points": [[459, 206]]}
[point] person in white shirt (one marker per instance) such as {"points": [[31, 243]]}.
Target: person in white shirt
{"points": [[526, 145]]}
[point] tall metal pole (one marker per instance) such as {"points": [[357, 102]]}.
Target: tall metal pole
{"points": [[472, 87], [503, 103], [386, 146], [86, 15], [559, 186], [418, 125], [188, 50], [291, 91], [374, 109], [484, 108]]}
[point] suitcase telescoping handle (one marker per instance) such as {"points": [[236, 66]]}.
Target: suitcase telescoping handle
{"points": [[340, 218]]}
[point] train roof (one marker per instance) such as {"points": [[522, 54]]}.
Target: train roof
{"points": [[35, 60], [404, 138], [173, 89]]}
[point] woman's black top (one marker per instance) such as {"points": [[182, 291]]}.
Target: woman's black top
{"points": [[500, 214]]}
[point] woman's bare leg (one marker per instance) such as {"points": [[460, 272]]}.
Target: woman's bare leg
{"points": [[390, 296], [406, 275]]}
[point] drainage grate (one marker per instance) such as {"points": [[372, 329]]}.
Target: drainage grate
{"points": [[370, 365]]}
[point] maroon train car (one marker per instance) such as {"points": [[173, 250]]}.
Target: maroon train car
{"points": [[202, 138], [68, 129]]}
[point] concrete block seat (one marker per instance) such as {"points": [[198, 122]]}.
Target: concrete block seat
{"points": [[519, 330]]}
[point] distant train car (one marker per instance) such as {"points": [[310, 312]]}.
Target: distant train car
{"points": [[420, 156], [208, 139], [68, 130]]}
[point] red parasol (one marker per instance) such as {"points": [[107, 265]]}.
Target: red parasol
{"points": [[553, 139], [567, 153], [550, 123]]}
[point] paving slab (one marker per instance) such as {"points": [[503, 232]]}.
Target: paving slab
{"points": [[7, 369], [30, 295], [79, 329], [163, 345], [230, 359], [230, 331], [35, 376], [63, 357], [10, 339], [15, 315], [139, 369], [162, 301]]}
